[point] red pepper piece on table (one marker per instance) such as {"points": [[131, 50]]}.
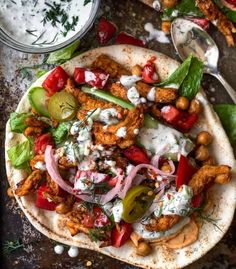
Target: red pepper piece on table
{"points": [[55, 81], [136, 155], [41, 143], [124, 38], [93, 77], [105, 31], [120, 236], [185, 171], [149, 74], [42, 202]]}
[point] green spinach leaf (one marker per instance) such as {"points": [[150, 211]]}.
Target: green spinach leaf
{"points": [[191, 84], [179, 74], [227, 115], [184, 8]]}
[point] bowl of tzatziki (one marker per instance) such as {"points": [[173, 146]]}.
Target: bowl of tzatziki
{"points": [[42, 26]]}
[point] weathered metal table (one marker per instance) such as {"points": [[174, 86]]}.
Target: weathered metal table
{"points": [[38, 250]]}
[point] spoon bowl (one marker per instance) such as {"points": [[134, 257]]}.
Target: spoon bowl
{"points": [[189, 38]]}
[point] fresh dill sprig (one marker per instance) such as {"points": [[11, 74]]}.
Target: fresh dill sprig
{"points": [[45, 42], [87, 2], [70, 26], [13, 2], [31, 32], [10, 246], [40, 36]]}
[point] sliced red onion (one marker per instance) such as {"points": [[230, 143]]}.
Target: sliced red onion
{"points": [[155, 162], [105, 198], [129, 179], [52, 169]]}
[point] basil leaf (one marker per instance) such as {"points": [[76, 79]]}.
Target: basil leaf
{"points": [[60, 56], [20, 154], [177, 78], [191, 84], [17, 121], [227, 115], [184, 8], [61, 132]]}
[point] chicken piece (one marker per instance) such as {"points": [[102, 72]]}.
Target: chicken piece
{"points": [[87, 102], [65, 163], [118, 90], [155, 112], [33, 131], [162, 95], [162, 223], [34, 122], [108, 136], [208, 174], [36, 159], [54, 187], [113, 68], [213, 13], [75, 218], [29, 184]]}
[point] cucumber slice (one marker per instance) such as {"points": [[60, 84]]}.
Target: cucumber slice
{"points": [[38, 100]]}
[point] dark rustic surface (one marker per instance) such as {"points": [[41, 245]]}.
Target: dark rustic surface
{"points": [[38, 250]]}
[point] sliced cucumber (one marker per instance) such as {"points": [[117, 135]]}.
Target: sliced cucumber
{"points": [[38, 100]]}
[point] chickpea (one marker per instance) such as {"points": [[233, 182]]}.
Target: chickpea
{"points": [[169, 3], [63, 208], [195, 107], [204, 138], [137, 70], [10, 192], [143, 249], [182, 103], [202, 153], [165, 27]]}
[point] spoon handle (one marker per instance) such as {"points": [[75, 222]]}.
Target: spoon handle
{"points": [[228, 88]]}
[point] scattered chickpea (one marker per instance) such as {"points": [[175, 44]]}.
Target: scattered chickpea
{"points": [[182, 103], [202, 153], [137, 70], [143, 249], [63, 208], [10, 192], [165, 27], [169, 3], [204, 138], [195, 107]]}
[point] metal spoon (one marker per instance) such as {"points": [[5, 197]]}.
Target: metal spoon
{"points": [[188, 38]]}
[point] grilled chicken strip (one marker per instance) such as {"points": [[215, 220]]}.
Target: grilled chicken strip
{"points": [[213, 13], [162, 223]]}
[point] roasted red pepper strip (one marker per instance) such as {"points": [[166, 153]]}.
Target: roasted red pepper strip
{"points": [[120, 236], [136, 155], [185, 171], [149, 74], [41, 143], [105, 31], [124, 38], [42, 202], [55, 81]]}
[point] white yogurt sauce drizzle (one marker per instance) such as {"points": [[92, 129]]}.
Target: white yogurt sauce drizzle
{"points": [[28, 21], [155, 34]]}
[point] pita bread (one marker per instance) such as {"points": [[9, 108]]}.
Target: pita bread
{"points": [[51, 224]]}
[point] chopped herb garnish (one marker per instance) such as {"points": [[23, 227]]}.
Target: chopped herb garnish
{"points": [[10, 246], [13, 2], [31, 32], [87, 2]]}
